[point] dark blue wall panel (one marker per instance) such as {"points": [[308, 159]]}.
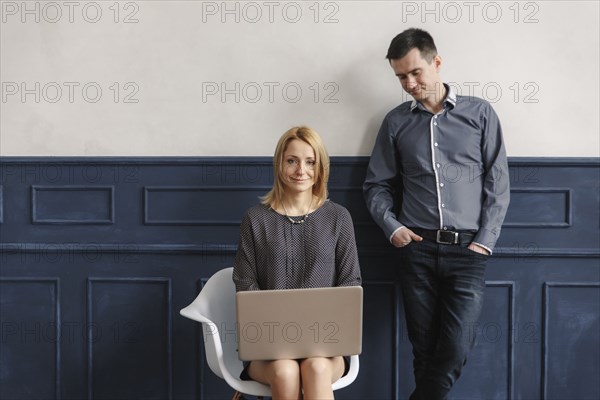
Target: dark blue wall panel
{"points": [[30, 346], [126, 318], [571, 312], [98, 255], [68, 204]]}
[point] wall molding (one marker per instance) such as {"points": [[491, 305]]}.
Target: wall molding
{"points": [[592, 162], [1, 205], [545, 323], [36, 191], [510, 287], [231, 248], [148, 190], [568, 212], [91, 281], [397, 317], [57, 322]]}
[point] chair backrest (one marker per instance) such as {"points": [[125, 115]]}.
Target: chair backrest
{"points": [[215, 308]]}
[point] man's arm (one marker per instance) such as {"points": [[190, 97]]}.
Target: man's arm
{"points": [[496, 185], [380, 186]]}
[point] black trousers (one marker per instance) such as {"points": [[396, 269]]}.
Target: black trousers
{"points": [[442, 288]]}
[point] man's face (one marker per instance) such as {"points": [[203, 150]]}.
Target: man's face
{"points": [[419, 78]]}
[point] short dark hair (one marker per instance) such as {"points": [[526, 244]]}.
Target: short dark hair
{"points": [[410, 39]]}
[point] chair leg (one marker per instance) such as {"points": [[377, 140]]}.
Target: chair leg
{"points": [[240, 396]]}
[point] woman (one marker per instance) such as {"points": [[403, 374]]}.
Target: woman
{"points": [[296, 238]]}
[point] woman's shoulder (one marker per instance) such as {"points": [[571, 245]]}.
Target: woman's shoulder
{"points": [[332, 207], [258, 210], [257, 215]]}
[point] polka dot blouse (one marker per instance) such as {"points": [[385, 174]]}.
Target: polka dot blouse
{"points": [[274, 253]]}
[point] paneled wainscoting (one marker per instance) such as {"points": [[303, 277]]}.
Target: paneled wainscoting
{"points": [[98, 255]]}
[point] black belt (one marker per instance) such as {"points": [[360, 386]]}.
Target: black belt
{"points": [[445, 237]]}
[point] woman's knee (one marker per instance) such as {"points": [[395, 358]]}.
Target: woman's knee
{"points": [[316, 366], [284, 372]]}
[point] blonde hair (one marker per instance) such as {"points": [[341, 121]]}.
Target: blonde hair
{"points": [[321, 170]]}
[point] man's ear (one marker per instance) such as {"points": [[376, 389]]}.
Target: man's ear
{"points": [[437, 62]]}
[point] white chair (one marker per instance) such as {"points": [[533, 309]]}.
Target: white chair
{"points": [[214, 307]]}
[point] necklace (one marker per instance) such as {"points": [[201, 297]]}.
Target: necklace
{"points": [[300, 221]]}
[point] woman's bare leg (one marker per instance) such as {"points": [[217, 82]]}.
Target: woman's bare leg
{"points": [[282, 375], [318, 374]]}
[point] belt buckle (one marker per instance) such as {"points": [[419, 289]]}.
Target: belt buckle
{"points": [[446, 237]]}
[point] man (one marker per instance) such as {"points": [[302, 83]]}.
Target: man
{"points": [[437, 184]]}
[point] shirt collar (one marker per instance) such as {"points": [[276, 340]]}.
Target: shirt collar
{"points": [[450, 99]]}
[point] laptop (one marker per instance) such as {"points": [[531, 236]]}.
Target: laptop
{"points": [[299, 323]]}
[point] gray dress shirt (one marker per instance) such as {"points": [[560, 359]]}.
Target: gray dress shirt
{"points": [[443, 171]]}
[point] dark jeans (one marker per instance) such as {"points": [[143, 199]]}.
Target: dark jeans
{"points": [[442, 288]]}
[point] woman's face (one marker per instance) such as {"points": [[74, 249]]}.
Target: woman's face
{"points": [[298, 168]]}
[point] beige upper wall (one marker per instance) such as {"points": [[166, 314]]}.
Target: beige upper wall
{"points": [[184, 78]]}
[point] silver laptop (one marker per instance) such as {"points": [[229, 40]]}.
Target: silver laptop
{"points": [[299, 323]]}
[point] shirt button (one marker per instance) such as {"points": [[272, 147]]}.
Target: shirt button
{"points": [[441, 185], [435, 144], [445, 228], [435, 123], [437, 165], [435, 116], [443, 205]]}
